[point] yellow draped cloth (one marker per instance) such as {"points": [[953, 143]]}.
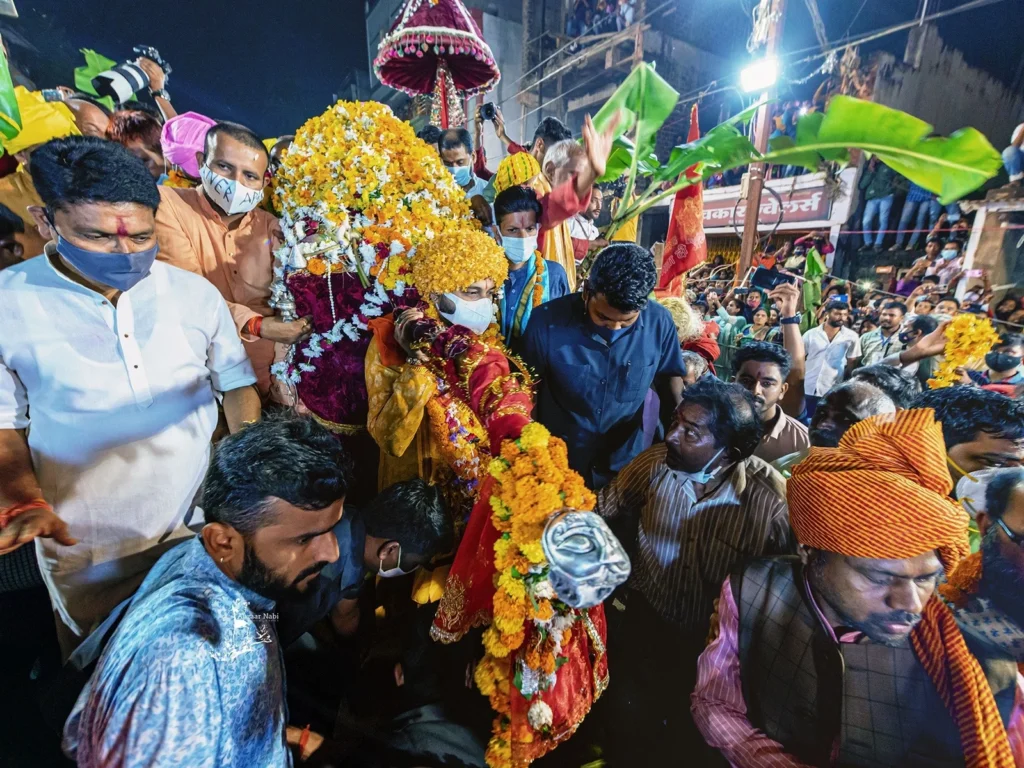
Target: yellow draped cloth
{"points": [[397, 421]]}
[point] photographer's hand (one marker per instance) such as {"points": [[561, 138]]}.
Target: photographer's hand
{"points": [[157, 81], [499, 128]]}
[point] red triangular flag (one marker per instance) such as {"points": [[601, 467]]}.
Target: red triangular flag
{"points": [[685, 244]]}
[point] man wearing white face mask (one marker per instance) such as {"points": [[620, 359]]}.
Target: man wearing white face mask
{"points": [[698, 506], [456, 149], [532, 280], [218, 231]]}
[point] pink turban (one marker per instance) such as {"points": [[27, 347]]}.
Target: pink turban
{"points": [[183, 135]]}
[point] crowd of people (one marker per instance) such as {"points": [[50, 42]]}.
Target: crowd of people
{"points": [[197, 570], [596, 17]]}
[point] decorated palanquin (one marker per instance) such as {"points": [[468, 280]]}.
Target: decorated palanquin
{"points": [[373, 225], [358, 193], [456, 410]]}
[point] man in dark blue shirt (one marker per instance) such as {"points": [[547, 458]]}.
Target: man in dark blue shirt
{"points": [[596, 355]]}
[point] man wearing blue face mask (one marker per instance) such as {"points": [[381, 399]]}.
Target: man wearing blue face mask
{"points": [[532, 280], [596, 355], [456, 149], [114, 365]]}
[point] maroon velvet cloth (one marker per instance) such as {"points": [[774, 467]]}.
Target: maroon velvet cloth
{"points": [[336, 390], [436, 30]]}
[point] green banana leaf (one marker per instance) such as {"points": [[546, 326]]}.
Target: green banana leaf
{"points": [[621, 158], [94, 64], [645, 102], [950, 167], [10, 114], [814, 265], [724, 146]]}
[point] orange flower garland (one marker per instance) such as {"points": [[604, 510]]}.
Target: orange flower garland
{"points": [[538, 286], [968, 339], [534, 482]]}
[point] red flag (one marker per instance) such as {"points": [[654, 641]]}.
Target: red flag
{"points": [[685, 245]]}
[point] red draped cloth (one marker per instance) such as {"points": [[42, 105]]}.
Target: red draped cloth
{"points": [[685, 245], [503, 403]]}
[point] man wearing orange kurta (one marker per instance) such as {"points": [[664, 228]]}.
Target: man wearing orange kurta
{"points": [[218, 231]]}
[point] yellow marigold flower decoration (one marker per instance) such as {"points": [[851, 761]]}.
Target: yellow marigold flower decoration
{"points": [[532, 482], [364, 172], [968, 339], [455, 259]]}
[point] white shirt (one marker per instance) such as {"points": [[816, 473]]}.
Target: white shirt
{"points": [[826, 360], [121, 403], [581, 228]]}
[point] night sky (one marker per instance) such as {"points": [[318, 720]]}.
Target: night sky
{"points": [[272, 64], [268, 64]]}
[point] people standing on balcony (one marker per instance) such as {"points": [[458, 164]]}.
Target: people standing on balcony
{"points": [[923, 205], [878, 185]]}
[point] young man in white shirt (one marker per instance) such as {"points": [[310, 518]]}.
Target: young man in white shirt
{"points": [[832, 349], [111, 369]]}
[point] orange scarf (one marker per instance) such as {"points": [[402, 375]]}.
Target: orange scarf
{"points": [[883, 493]]}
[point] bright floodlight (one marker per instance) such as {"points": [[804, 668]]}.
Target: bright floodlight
{"points": [[760, 76]]}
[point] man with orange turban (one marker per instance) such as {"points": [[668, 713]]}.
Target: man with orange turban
{"points": [[846, 656]]}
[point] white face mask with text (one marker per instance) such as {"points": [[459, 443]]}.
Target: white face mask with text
{"points": [[231, 196]]}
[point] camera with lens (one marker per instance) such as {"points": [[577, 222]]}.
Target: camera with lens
{"points": [[488, 111], [125, 80]]}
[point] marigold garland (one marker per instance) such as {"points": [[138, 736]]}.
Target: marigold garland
{"points": [[969, 338], [964, 581], [533, 482], [358, 192]]}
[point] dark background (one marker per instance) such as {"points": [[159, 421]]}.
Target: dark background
{"points": [[272, 64]]}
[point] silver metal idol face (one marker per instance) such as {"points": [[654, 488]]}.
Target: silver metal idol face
{"points": [[587, 562]]}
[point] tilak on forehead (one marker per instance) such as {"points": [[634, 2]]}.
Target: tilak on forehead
{"points": [[122, 228]]}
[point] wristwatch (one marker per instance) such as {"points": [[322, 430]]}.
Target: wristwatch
{"points": [[161, 94], [794, 320]]}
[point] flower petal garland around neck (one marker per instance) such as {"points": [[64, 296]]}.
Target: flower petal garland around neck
{"points": [[533, 482]]}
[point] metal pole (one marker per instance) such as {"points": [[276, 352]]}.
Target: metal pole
{"points": [[761, 132]]}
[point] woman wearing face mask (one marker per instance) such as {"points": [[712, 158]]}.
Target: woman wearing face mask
{"points": [[421, 362], [754, 300], [532, 280]]}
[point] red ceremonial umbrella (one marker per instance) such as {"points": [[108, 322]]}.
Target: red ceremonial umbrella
{"points": [[436, 47]]}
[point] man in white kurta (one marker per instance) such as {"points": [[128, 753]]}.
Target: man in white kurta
{"points": [[118, 394]]}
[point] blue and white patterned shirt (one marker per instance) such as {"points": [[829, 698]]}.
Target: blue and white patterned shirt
{"points": [[192, 677]]}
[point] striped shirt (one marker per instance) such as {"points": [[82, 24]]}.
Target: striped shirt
{"points": [[686, 549]]}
